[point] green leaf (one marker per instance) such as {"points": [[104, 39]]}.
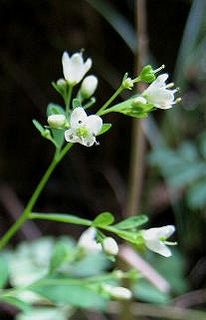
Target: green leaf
{"points": [[147, 292], [60, 255], [78, 295], [39, 127], [131, 108], [53, 108], [16, 302], [4, 271], [58, 137], [131, 222], [67, 218], [105, 128], [103, 219]]}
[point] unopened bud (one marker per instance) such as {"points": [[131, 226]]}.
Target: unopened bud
{"points": [[119, 293], [56, 120], [110, 246], [88, 86]]}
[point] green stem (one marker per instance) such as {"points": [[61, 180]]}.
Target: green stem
{"points": [[68, 99], [25, 215], [119, 90]]}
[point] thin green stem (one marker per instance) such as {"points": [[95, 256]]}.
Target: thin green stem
{"points": [[25, 215], [68, 99], [112, 98]]}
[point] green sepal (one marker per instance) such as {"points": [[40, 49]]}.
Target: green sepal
{"points": [[147, 74], [103, 219]]}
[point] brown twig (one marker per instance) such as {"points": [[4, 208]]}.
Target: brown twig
{"points": [[137, 166]]}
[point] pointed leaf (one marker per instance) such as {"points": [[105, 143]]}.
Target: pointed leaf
{"points": [[103, 219], [132, 222], [105, 128]]}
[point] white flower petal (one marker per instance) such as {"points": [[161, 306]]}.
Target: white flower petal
{"points": [[74, 67], [155, 237], [78, 117], [160, 94], [87, 241], [83, 129], [159, 247], [94, 123]]}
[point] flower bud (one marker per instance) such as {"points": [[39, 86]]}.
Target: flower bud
{"points": [[56, 120], [120, 293], [110, 246], [88, 86]]}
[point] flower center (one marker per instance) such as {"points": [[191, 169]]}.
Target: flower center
{"points": [[82, 132]]}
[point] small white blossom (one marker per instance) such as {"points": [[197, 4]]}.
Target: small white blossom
{"points": [[110, 246], [56, 120], [88, 242], [160, 94], [120, 293], [83, 128], [88, 86], [155, 239], [74, 67]]}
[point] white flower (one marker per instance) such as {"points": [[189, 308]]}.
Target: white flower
{"points": [[88, 86], [118, 292], [56, 120], [110, 246], [74, 67], [83, 128], [88, 242], [155, 239], [159, 93]]}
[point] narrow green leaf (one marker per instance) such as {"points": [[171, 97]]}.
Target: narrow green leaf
{"points": [[67, 218], [103, 219], [4, 271], [105, 128], [131, 222], [39, 127], [78, 295]]}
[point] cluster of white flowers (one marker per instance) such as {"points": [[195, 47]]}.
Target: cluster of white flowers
{"points": [[82, 128]]}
